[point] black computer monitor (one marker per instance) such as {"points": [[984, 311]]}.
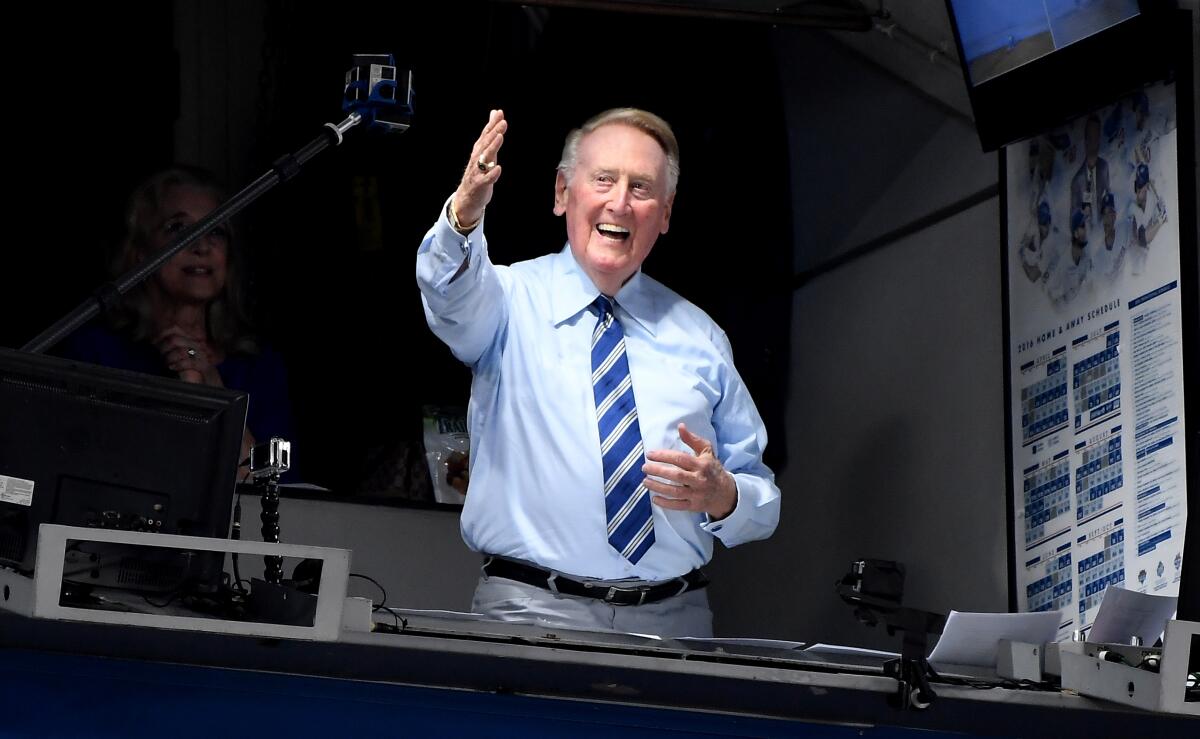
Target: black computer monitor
{"points": [[82, 445]]}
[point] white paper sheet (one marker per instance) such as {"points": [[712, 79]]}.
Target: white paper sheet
{"points": [[1125, 613], [972, 638]]}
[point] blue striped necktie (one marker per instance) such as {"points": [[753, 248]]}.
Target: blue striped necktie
{"points": [[626, 500]]}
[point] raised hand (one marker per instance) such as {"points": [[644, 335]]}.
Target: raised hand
{"points": [[475, 190]]}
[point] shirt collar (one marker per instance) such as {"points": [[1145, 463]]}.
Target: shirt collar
{"points": [[573, 291]]}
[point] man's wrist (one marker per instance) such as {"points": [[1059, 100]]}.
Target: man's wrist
{"points": [[725, 512], [457, 225]]}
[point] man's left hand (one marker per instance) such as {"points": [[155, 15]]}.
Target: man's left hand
{"points": [[700, 483]]}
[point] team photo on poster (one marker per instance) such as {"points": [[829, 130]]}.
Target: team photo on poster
{"points": [[1095, 197], [1095, 357]]}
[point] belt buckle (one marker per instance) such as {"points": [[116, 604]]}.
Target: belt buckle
{"points": [[684, 585], [611, 595]]}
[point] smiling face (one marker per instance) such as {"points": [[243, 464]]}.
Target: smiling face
{"points": [[616, 203], [196, 274]]}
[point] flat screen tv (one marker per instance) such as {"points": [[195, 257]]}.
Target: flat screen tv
{"points": [[1001, 35], [1030, 65]]}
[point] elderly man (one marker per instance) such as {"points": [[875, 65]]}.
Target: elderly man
{"points": [[612, 439]]}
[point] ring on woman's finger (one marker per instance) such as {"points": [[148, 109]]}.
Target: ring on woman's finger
{"points": [[484, 166], [191, 352]]}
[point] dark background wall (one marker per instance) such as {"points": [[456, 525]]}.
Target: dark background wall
{"points": [[896, 432], [89, 114]]}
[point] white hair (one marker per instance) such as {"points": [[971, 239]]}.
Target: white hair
{"points": [[643, 120]]}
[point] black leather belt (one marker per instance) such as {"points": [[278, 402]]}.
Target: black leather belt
{"points": [[612, 594]]}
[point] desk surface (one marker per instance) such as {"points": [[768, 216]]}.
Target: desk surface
{"points": [[690, 687]]}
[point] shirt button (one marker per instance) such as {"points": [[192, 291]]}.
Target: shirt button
{"points": [[718, 527]]}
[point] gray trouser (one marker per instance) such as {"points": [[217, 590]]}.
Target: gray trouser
{"points": [[507, 600]]}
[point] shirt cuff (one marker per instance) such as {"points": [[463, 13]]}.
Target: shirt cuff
{"points": [[754, 516], [447, 253], [448, 235]]}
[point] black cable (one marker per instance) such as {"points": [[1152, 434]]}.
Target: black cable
{"points": [[980, 684], [374, 582], [401, 623], [236, 535]]}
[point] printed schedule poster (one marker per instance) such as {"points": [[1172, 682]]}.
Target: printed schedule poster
{"points": [[1096, 358]]}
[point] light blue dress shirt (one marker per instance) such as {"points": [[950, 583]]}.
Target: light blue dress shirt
{"points": [[536, 489]]}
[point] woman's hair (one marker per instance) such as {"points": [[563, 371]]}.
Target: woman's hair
{"points": [[228, 326]]}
